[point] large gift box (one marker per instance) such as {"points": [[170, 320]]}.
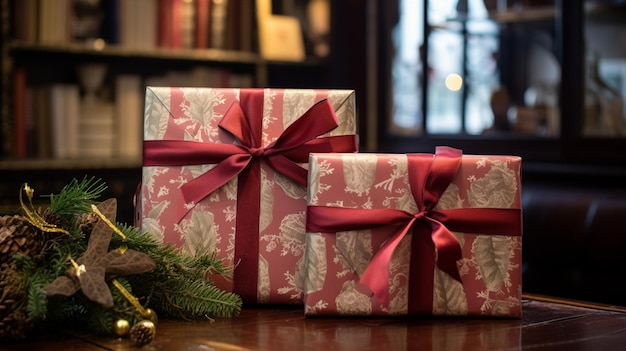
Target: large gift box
{"points": [[225, 172], [418, 234]]}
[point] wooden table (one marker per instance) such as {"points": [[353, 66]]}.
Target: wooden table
{"points": [[547, 324]]}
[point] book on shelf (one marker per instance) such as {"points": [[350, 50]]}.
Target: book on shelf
{"points": [[25, 14], [129, 115], [64, 119], [219, 10], [54, 24], [187, 24], [202, 25], [138, 24], [43, 124]]}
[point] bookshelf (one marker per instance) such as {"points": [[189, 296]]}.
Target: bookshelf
{"points": [[189, 43]]}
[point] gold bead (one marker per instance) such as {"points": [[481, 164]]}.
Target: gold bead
{"points": [[143, 333], [121, 327], [151, 315]]}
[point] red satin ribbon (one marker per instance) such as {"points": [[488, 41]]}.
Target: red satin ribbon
{"points": [[244, 122], [429, 176]]}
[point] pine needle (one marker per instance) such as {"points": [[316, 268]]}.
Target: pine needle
{"points": [[77, 197]]}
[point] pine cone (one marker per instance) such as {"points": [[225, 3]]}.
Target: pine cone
{"points": [[14, 321], [17, 236], [54, 219], [143, 333], [87, 222]]}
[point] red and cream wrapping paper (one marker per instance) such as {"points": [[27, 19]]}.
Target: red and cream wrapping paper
{"points": [[418, 234], [225, 172]]}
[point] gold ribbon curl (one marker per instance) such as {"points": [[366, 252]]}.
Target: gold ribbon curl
{"points": [[33, 217]]}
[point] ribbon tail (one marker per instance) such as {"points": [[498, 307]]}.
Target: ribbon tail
{"points": [[376, 275], [448, 250], [199, 188], [288, 168]]}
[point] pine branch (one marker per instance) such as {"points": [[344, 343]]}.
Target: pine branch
{"points": [[169, 260], [197, 299], [178, 286], [37, 298], [77, 197]]}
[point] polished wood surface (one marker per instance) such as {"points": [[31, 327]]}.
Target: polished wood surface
{"points": [[546, 324]]}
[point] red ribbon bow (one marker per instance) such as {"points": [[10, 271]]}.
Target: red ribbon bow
{"points": [[244, 122], [429, 177]]}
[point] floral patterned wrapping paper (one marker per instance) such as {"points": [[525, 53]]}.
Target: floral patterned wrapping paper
{"points": [[490, 267], [209, 226]]}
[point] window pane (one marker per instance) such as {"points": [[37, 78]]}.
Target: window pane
{"points": [[445, 82], [406, 68], [605, 69], [488, 69]]}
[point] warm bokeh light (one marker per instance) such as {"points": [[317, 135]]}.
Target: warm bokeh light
{"points": [[454, 82]]}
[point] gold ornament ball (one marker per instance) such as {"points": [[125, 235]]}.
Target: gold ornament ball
{"points": [[151, 315], [121, 327], [143, 333]]}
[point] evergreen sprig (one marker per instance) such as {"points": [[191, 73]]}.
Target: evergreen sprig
{"points": [[178, 286], [77, 197], [194, 299]]}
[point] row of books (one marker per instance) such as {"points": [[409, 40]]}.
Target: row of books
{"points": [[57, 120], [138, 24]]}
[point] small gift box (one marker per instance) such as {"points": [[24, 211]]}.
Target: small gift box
{"points": [[225, 172], [416, 234]]}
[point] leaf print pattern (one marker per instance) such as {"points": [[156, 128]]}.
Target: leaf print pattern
{"points": [[318, 306], [269, 96], [352, 302], [398, 268], [498, 307], [316, 172], [156, 108], [496, 189], [295, 103], [200, 109], [451, 198], [266, 211], [448, 296], [299, 275], [399, 172], [343, 105], [291, 189], [359, 175], [354, 251], [292, 286], [291, 236], [201, 234], [492, 254], [263, 285], [316, 263], [151, 224]]}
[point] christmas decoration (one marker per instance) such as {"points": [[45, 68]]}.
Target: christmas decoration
{"points": [[72, 265], [89, 270], [122, 327], [142, 333]]}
